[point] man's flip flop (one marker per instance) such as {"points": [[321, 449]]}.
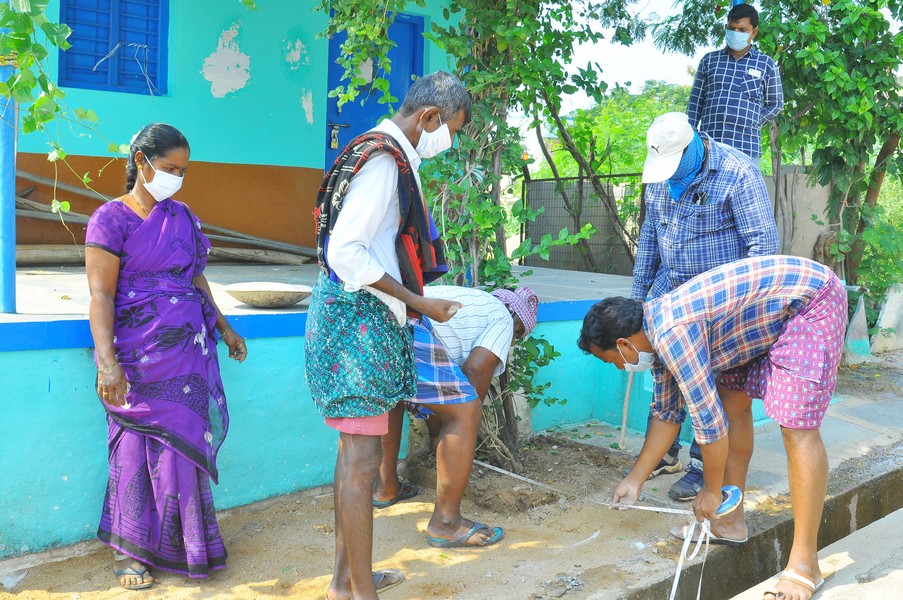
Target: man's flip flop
{"points": [[383, 579], [797, 578], [406, 491], [461, 540], [681, 534], [133, 573]]}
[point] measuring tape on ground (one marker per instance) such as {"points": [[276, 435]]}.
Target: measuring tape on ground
{"points": [[731, 497]]}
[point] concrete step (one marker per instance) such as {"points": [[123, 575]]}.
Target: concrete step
{"points": [[866, 564]]}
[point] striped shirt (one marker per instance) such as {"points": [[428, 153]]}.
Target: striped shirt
{"points": [[733, 98], [718, 321], [724, 215], [483, 320]]}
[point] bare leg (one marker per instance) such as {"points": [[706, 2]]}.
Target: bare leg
{"points": [[357, 465], [387, 484], [434, 426], [454, 461], [807, 469], [738, 406]]}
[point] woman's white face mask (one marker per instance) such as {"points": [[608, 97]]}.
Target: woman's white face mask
{"points": [[434, 142], [163, 185]]}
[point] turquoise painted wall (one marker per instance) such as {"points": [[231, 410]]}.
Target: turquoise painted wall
{"points": [[53, 467], [261, 123], [53, 464]]}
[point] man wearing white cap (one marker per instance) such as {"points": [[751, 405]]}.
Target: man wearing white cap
{"points": [[456, 362], [706, 205]]}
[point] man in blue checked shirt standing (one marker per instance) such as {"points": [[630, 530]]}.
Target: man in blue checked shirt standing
{"points": [[706, 205], [737, 89]]}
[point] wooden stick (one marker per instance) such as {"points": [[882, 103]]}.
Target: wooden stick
{"points": [[624, 410]]}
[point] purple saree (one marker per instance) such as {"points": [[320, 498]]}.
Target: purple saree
{"points": [[158, 506]]}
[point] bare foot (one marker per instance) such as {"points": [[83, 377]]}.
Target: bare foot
{"points": [[383, 580], [731, 531]]}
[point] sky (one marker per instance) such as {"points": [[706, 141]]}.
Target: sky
{"points": [[620, 64], [638, 63]]}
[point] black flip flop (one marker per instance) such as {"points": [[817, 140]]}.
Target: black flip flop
{"points": [[406, 491]]}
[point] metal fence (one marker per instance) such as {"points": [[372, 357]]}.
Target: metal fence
{"points": [[570, 203]]}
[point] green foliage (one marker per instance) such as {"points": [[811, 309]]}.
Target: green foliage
{"points": [[617, 126], [366, 24], [882, 263], [26, 27], [528, 357]]}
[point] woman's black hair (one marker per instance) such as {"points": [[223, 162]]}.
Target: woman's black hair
{"points": [[609, 320], [154, 140]]}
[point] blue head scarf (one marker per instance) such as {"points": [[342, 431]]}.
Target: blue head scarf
{"points": [[689, 166]]}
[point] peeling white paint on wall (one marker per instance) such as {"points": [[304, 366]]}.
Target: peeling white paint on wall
{"points": [[296, 54], [307, 103], [227, 69]]}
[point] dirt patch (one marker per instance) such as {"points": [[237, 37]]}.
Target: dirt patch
{"points": [[552, 460]]}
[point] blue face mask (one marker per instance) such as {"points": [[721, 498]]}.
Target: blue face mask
{"points": [[689, 166], [736, 40]]}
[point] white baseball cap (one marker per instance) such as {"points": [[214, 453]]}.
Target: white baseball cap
{"points": [[666, 139]]}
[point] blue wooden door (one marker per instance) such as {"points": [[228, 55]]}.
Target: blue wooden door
{"points": [[355, 118]]}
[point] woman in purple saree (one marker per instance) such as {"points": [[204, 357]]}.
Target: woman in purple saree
{"points": [[153, 318]]}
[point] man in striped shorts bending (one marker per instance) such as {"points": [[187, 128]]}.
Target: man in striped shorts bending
{"points": [[456, 362]]}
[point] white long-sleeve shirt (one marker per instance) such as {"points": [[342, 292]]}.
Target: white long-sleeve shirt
{"points": [[362, 244]]}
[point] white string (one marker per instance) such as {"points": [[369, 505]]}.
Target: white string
{"points": [[705, 533]]}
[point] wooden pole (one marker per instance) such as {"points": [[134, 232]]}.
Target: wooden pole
{"points": [[624, 410]]}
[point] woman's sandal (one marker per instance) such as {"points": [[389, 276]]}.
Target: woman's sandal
{"points": [[130, 572]]}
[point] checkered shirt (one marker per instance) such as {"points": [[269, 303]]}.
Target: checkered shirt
{"points": [[732, 99], [724, 215], [719, 321]]}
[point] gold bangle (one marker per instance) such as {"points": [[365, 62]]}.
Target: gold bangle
{"points": [[108, 370]]}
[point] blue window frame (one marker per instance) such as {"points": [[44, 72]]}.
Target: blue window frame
{"points": [[117, 45]]}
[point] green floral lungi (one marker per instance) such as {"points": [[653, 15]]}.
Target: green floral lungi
{"points": [[359, 360]]}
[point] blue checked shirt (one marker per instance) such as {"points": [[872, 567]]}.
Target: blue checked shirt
{"points": [[723, 215], [732, 99], [719, 321]]}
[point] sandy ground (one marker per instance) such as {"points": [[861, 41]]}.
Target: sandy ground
{"points": [[555, 545]]}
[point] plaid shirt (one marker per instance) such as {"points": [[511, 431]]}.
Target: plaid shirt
{"points": [[719, 321], [733, 98], [724, 215]]}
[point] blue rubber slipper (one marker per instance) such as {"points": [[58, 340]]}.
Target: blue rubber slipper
{"points": [[461, 540], [406, 491], [133, 573]]}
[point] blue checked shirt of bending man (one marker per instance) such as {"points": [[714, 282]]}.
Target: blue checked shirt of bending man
{"points": [[706, 205], [737, 89]]}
